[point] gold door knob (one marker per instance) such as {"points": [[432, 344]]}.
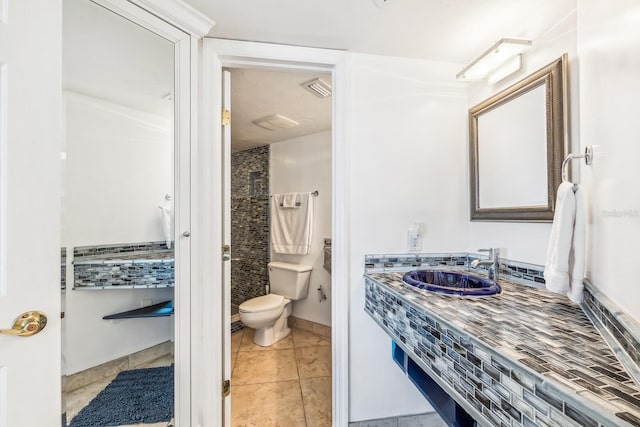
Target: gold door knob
{"points": [[27, 324]]}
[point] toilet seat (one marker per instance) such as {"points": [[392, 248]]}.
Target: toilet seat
{"points": [[264, 303]]}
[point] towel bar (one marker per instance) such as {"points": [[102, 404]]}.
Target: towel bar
{"points": [[587, 156]]}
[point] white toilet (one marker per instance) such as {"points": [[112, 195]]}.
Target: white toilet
{"points": [[268, 314]]}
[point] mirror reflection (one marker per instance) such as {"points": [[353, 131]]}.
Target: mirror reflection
{"points": [[117, 219], [525, 124]]}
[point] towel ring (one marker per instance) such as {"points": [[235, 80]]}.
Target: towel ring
{"points": [[587, 156]]}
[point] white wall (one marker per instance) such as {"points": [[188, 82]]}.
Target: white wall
{"points": [[118, 167], [609, 51], [407, 163], [299, 165], [528, 241]]}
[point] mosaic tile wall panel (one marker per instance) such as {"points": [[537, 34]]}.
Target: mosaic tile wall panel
{"points": [[519, 272], [139, 265], [249, 224], [527, 357], [63, 268]]}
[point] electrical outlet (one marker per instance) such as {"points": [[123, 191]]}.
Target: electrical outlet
{"points": [[414, 238]]}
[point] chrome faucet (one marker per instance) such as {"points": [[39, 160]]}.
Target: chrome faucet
{"points": [[493, 262]]}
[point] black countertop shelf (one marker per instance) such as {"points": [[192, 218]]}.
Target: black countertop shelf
{"points": [[162, 309]]}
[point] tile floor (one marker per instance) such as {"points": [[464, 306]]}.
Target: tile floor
{"points": [[287, 384]]}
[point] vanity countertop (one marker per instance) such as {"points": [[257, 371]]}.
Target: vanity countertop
{"points": [[131, 257], [542, 332]]}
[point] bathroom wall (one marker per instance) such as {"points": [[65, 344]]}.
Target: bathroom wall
{"points": [[118, 168], [528, 241], [407, 162], [249, 224], [609, 52], [299, 165]]}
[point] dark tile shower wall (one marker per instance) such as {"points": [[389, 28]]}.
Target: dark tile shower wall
{"points": [[249, 224]]}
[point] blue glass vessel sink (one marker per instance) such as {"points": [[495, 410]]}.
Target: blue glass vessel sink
{"points": [[451, 283]]}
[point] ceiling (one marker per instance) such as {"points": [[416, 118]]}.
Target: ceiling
{"points": [[256, 93], [108, 57], [442, 30]]}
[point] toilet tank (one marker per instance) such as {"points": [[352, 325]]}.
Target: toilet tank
{"points": [[289, 280]]}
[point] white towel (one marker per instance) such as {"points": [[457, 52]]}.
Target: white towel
{"points": [[289, 200], [291, 228], [166, 224], [576, 286], [564, 269]]}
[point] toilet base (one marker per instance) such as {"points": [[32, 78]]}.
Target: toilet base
{"points": [[270, 335]]}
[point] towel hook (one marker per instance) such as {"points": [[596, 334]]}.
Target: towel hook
{"points": [[587, 156]]}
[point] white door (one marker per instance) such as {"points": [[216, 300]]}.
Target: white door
{"points": [[226, 233], [30, 57]]}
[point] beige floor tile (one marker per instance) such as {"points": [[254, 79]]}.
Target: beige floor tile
{"points": [[316, 395], [264, 405], [234, 357], [78, 399], [247, 343], [236, 338], [302, 338], [253, 367], [314, 362]]}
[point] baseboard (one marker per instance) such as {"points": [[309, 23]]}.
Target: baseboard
{"points": [[113, 367], [308, 325]]}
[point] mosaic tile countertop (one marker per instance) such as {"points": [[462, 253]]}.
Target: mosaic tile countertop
{"points": [[539, 332]]}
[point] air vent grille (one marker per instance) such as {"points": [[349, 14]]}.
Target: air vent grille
{"points": [[318, 88]]}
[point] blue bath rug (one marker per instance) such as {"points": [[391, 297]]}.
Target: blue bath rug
{"points": [[133, 397]]}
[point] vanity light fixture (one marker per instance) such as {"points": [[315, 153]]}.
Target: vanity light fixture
{"points": [[499, 61]]}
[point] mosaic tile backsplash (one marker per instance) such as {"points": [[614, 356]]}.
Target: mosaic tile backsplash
{"points": [[249, 224], [526, 357], [516, 271], [139, 265]]}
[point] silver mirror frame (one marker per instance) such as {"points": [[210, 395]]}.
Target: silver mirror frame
{"points": [[554, 78]]}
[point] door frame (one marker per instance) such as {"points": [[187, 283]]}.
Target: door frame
{"points": [[185, 27], [232, 53]]}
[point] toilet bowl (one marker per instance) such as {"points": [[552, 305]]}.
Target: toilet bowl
{"points": [[268, 314]]}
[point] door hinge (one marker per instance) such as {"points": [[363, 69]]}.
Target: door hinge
{"points": [[226, 117], [226, 388], [226, 252]]}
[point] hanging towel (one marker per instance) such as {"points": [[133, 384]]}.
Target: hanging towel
{"points": [[576, 262], [289, 200], [564, 269], [291, 228], [166, 224]]}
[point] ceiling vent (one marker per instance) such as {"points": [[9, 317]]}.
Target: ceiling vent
{"points": [[275, 122], [318, 88]]}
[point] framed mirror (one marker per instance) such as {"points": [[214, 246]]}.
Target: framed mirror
{"points": [[517, 141]]}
